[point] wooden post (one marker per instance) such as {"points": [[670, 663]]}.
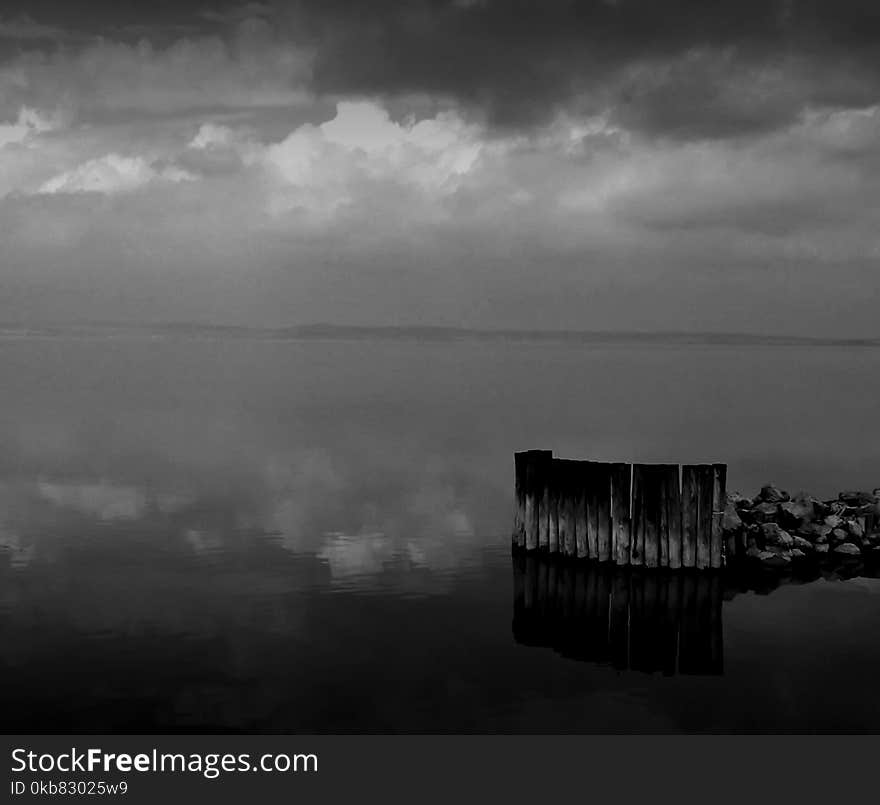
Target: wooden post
{"points": [[581, 478], [672, 511], [666, 477], [545, 464], [571, 508], [651, 498], [591, 495], [637, 555], [564, 509], [533, 493], [706, 478], [719, 483], [520, 461], [620, 522], [689, 515], [602, 483], [554, 496]]}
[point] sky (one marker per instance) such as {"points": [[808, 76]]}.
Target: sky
{"points": [[607, 165]]}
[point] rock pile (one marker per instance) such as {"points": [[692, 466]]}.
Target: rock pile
{"points": [[777, 529]]}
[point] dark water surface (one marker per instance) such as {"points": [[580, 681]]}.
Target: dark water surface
{"points": [[310, 537]]}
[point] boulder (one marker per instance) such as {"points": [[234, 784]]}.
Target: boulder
{"points": [[856, 499], [801, 544], [771, 494], [822, 548], [834, 520], [838, 535], [764, 512], [794, 512], [848, 549], [815, 532], [796, 553], [855, 529], [739, 501], [774, 536]]}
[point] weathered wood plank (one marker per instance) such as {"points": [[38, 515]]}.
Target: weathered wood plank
{"points": [[666, 476], [652, 494], [672, 508], [689, 515], [571, 509], [602, 483], [554, 495], [580, 480], [520, 460], [533, 492], [565, 507], [706, 480], [545, 464], [591, 494], [637, 554], [620, 520], [716, 537]]}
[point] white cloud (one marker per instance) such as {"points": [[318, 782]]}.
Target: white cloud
{"points": [[111, 174], [103, 500], [30, 122]]}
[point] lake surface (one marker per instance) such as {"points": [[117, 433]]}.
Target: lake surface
{"points": [[313, 536]]}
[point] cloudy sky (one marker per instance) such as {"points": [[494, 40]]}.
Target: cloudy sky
{"points": [[615, 164]]}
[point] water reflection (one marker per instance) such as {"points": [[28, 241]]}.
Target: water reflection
{"points": [[633, 619], [628, 618]]}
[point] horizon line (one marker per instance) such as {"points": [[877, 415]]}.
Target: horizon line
{"points": [[317, 330]]}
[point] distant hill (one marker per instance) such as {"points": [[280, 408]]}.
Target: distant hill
{"points": [[334, 332]]}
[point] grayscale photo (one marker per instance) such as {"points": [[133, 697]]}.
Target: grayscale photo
{"points": [[434, 367]]}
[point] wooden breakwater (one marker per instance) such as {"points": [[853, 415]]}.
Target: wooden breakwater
{"points": [[628, 618], [641, 515]]}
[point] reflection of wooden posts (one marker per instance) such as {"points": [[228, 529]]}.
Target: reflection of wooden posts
{"points": [[670, 609], [643, 515], [631, 619], [620, 522], [618, 630]]}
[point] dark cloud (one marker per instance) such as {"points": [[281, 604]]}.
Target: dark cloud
{"points": [[680, 68]]}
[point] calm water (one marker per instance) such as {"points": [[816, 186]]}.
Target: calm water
{"points": [[312, 536]]}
